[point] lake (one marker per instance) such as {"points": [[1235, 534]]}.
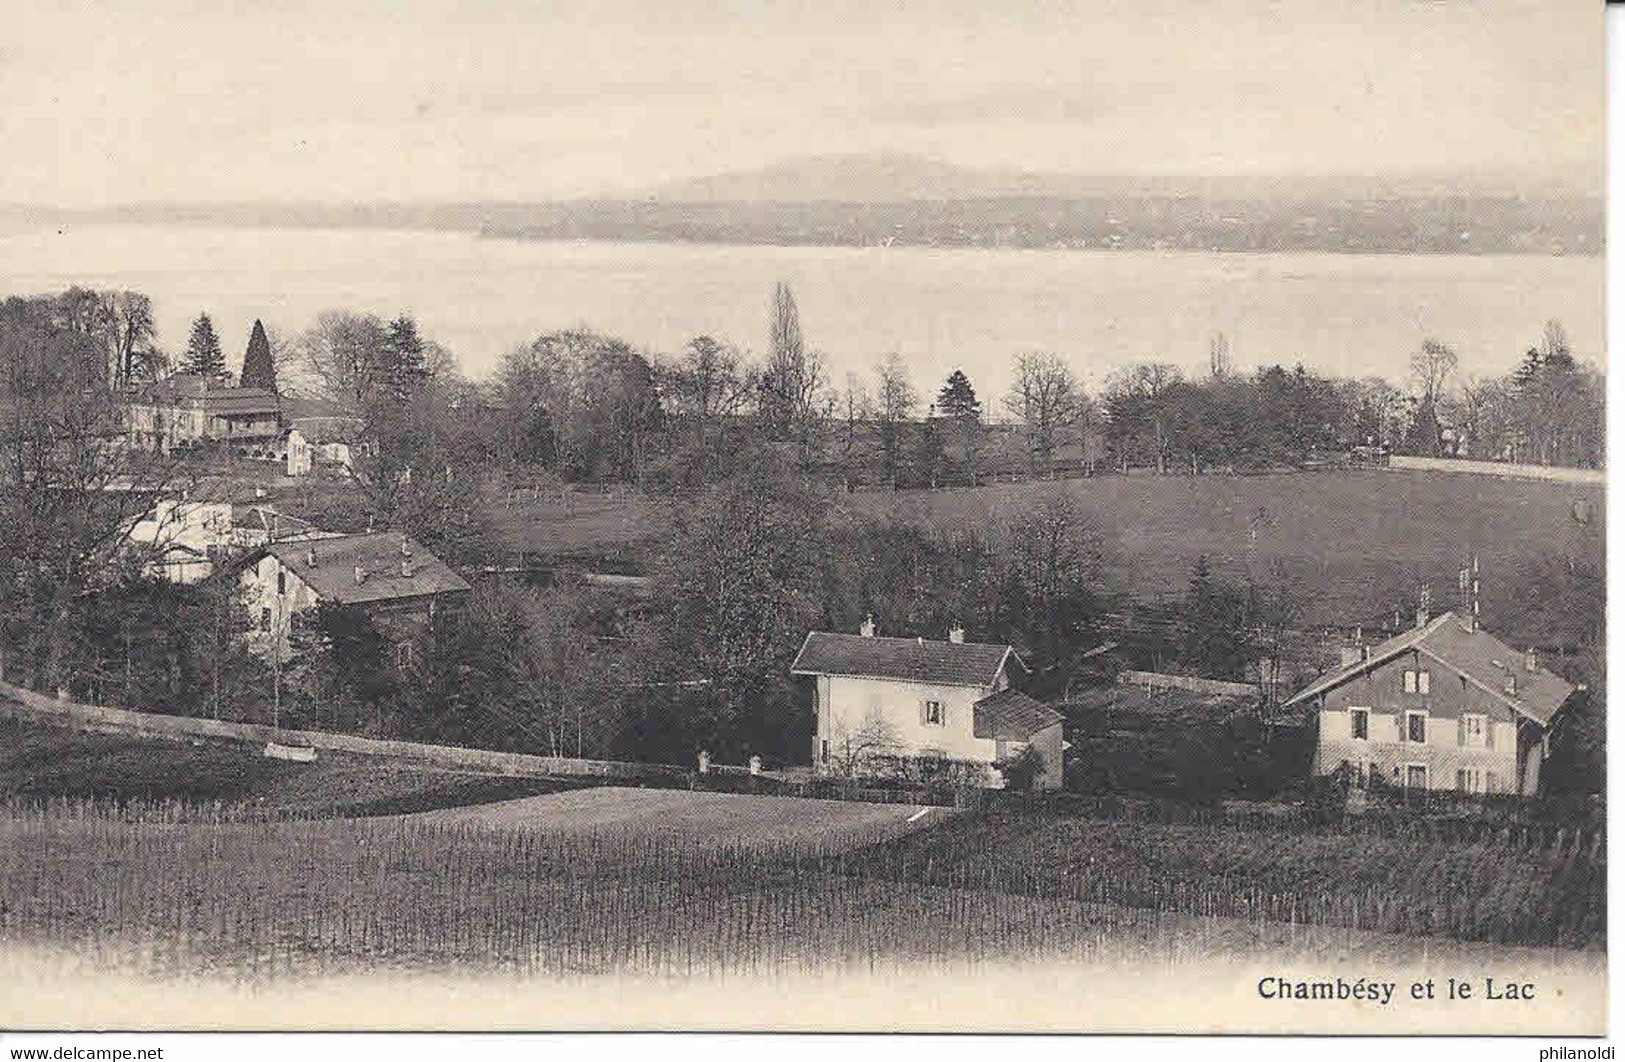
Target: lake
{"points": [[940, 309]]}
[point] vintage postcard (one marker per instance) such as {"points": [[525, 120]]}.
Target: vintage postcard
{"points": [[747, 515]]}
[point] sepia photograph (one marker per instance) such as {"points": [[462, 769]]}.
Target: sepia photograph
{"points": [[752, 516]]}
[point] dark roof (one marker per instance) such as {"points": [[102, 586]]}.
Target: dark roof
{"points": [[1012, 715], [193, 390], [379, 556], [1477, 656], [901, 659], [174, 388], [238, 401], [1164, 702]]}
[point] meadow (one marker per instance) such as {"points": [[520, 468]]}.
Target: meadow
{"points": [[140, 888], [1354, 544]]}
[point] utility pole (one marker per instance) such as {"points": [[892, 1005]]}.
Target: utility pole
{"points": [[276, 667]]}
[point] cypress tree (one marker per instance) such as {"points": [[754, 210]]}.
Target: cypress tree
{"points": [[204, 357], [259, 368]]}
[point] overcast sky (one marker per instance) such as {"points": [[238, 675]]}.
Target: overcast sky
{"points": [[475, 99]]}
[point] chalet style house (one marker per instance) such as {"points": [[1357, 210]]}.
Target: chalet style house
{"points": [[941, 704], [186, 410], [397, 584], [1443, 706]]}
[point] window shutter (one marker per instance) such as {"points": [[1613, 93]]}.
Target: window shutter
{"points": [[1489, 732], [1399, 720], [1489, 782], [1461, 730], [1461, 779], [922, 713]]}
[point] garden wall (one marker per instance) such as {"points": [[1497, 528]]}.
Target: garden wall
{"points": [[27, 704]]}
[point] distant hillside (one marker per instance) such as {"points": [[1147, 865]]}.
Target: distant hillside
{"points": [[891, 178], [1398, 225], [906, 200]]}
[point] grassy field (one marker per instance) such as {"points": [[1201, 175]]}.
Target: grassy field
{"points": [[1358, 543], [41, 761], [685, 818]]}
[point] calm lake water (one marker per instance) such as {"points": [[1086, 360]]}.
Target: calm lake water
{"points": [[1346, 314]]}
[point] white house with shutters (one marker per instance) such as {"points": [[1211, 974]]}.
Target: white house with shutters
{"points": [[880, 698]]}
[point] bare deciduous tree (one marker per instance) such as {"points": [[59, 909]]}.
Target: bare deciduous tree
{"points": [[894, 403], [1045, 397]]}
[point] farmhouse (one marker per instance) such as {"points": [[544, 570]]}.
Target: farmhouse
{"points": [[1443, 706], [933, 703], [386, 576], [188, 410]]}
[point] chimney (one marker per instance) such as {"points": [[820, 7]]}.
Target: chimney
{"points": [[956, 634], [918, 640], [867, 629], [360, 575], [406, 568], [1529, 661], [310, 557], [406, 550]]}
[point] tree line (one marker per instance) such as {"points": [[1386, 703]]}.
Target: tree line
{"points": [[755, 560]]}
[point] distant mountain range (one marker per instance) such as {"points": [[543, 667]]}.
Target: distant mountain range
{"points": [[892, 178], [907, 200]]}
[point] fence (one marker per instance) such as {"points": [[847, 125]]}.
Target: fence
{"points": [[1585, 476]]}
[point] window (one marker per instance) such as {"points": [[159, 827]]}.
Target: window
{"points": [[1416, 776], [403, 654], [1470, 779], [1474, 731], [1360, 724], [1410, 681], [1418, 681], [823, 751], [932, 713], [1416, 727], [265, 619], [281, 583]]}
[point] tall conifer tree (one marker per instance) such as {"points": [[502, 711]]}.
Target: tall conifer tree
{"points": [[204, 357], [259, 367]]}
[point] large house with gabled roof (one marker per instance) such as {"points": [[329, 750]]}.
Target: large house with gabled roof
{"points": [[883, 699], [1442, 706], [187, 410], [399, 586]]}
